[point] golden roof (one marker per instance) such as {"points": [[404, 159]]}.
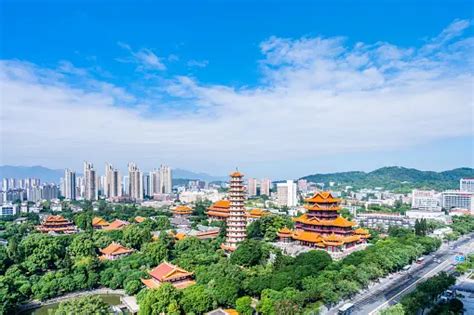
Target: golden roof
{"points": [[236, 174], [323, 197], [115, 249], [285, 231], [182, 210], [139, 219], [339, 221], [98, 221], [257, 213]]}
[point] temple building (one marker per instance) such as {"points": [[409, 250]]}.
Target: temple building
{"points": [[182, 211], [322, 226], [99, 223], [114, 251], [57, 224], [255, 214], [237, 221], [166, 272], [116, 225], [218, 211], [139, 219]]}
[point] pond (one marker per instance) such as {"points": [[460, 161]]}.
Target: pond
{"points": [[111, 299]]}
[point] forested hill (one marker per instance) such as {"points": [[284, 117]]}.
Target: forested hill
{"points": [[396, 178]]}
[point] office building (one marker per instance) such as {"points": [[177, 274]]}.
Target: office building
{"points": [[146, 185], [252, 187], [454, 199], [8, 209], [166, 184], [286, 194], [427, 200]]}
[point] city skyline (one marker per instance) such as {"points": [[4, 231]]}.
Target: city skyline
{"points": [[316, 96]]}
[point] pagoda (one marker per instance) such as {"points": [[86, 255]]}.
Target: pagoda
{"points": [[218, 211], [255, 214], [322, 226], [99, 223], [57, 224], [237, 220]]}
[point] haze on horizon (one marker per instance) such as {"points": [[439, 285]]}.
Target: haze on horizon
{"points": [[277, 91]]}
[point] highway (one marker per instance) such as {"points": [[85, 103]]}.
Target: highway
{"points": [[391, 289]]}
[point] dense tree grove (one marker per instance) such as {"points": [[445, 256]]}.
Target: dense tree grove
{"points": [[38, 266], [83, 306]]}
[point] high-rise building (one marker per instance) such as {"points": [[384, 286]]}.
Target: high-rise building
{"points": [[236, 221], [166, 184], [146, 185], [90, 182], [252, 187], [154, 182], [113, 182], [286, 194], [265, 185], [135, 182], [5, 184], [126, 185], [466, 184], [69, 183]]}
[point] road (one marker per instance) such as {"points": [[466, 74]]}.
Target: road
{"points": [[390, 290]]}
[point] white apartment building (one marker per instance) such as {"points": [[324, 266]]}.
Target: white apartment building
{"points": [[69, 183], [303, 185], [458, 199], [90, 182], [265, 185], [427, 200], [113, 182], [466, 184], [8, 209], [166, 183], [286, 194], [135, 182], [252, 187]]}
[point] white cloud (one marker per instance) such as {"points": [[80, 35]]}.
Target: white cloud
{"points": [[318, 97], [198, 63], [145, 57]]}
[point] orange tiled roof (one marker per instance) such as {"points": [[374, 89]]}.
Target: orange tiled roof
{"points": [[231, 311], [115, 249], [98, 221], [139, 219], [55, 218], [339, 221], [167, 272], [182, 210], [307, 236], [180, 236], [323, 197], [236, 174], [256, 213], [285, 231], [116, 225], [318, 207]]}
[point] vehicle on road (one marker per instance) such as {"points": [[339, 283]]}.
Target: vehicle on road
{"points": [[406, 268], [346, 309], [420, 260]]}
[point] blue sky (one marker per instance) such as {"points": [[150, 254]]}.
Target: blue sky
{"points": [[278, 88]]}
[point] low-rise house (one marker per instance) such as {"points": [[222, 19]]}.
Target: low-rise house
{"points": [[169, 273], [114, 251], [116, 225], [98, 223]]}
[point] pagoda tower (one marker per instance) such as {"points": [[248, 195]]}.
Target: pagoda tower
{"points": [[237, 220]]}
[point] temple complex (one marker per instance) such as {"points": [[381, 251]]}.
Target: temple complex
{"points": [[219, 210], [236, 221], [114, 251], [166, 272], [57, 224], [322, 226], [98, 223]]}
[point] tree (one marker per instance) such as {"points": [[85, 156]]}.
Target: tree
{"points": [[196, 299], [396, 309], [81, 246], [156, 252], [249, 253], [244, 305], [83, 306], [158, 301], [135, 236]]}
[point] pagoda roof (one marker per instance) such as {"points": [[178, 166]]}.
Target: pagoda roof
{"points": [[236, 174], [220, 204], [55, 218], [115, 249], [98, 221], [324, 207], [218, 214], [182, 210], [339, 221], [323, 197], [116, 225], [168, 272], [307, 236], [333, 239], [285, 231]]}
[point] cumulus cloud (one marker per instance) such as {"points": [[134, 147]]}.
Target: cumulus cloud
{"points": [[318, 97], [198, 63]]}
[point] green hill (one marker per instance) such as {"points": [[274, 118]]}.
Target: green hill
{"points": [[396, 178]]}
